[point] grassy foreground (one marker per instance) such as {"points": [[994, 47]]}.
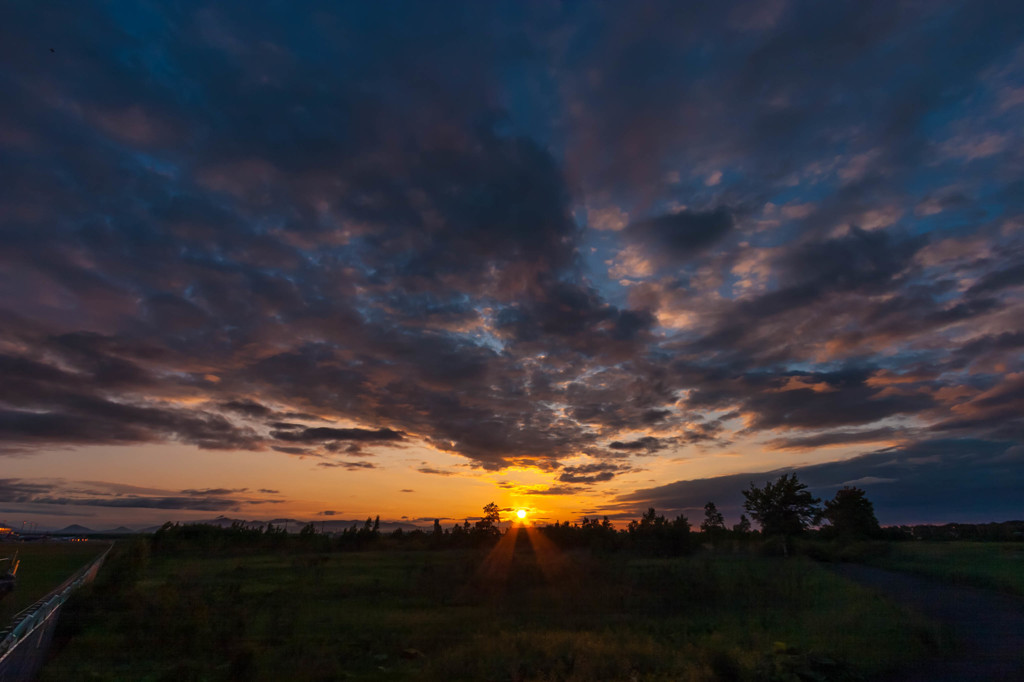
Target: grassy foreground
{"points": [[515, 614], [44, 566], [993, 565]]}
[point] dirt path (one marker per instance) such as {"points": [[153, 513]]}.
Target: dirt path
{"points": [[986, 627]]}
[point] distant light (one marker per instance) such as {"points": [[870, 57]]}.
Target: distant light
{"points": [[521, 513]]}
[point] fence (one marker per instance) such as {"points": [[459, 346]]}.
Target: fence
{"points": [[26, 641]]}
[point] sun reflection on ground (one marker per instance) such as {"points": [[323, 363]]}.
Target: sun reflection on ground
{"points": [[495, 569]]}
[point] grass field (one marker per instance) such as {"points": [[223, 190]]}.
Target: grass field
{"points": [[44, 566], [465, 615], [993, 565]]}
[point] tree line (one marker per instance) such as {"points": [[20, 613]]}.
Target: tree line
{"points": [[783, 509]]}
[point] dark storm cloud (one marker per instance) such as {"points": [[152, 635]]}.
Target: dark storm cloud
{"points": [[645, 444], [681, 236], [180, 503], [321, 434], [590, 473], [775, 93], [248, 408], [1000, 279], [810, 409], [555, 490], [292, 451], [20, 511], [997, 413], [918, 482], [436, 472], [574, 315], [88, 420], [103, 494], [807, 400], [18, 490], [859, 270], [859, 261], [213, 491], [351, 466], [836, 438], [987, 345]]}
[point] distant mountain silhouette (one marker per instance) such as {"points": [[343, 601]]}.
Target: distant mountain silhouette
{"points": [[74, 529], [120, 530]]}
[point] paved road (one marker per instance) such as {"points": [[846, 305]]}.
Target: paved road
{"points": [[987, 627]]}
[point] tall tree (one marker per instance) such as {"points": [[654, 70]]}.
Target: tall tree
{"points": [[783, 508], [851, 515], [492, 513], [713, 520], [488, 525]]}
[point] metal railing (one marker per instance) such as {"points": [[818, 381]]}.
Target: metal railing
{"points": [[25, 641]]}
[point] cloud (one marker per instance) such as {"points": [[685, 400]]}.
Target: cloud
{"points": [[590, 473], [415, 252], [321, 434], [179, 503], [436, 472], [680, 236], [1000, 279], [829, 438], [646, 444], [61, 492], [248, 408], [922, 481], [350, 465], [293, 451], [213, 491], [552, 490]]}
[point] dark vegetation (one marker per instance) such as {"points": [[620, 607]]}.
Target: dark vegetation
{"points": [[473, 614], [989, 565], [584, 601]]}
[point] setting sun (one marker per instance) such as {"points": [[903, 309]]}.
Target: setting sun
{"points": [[521, 513]]}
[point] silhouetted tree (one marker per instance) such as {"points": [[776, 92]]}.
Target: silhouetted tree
{"points": [[743, 527], [713, 520], [459, 535], [851, 515], [488, 525], [784, 508], [654, 534], [368, 533]]}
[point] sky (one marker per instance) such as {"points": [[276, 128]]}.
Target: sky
{"points": [[333, 260]]}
